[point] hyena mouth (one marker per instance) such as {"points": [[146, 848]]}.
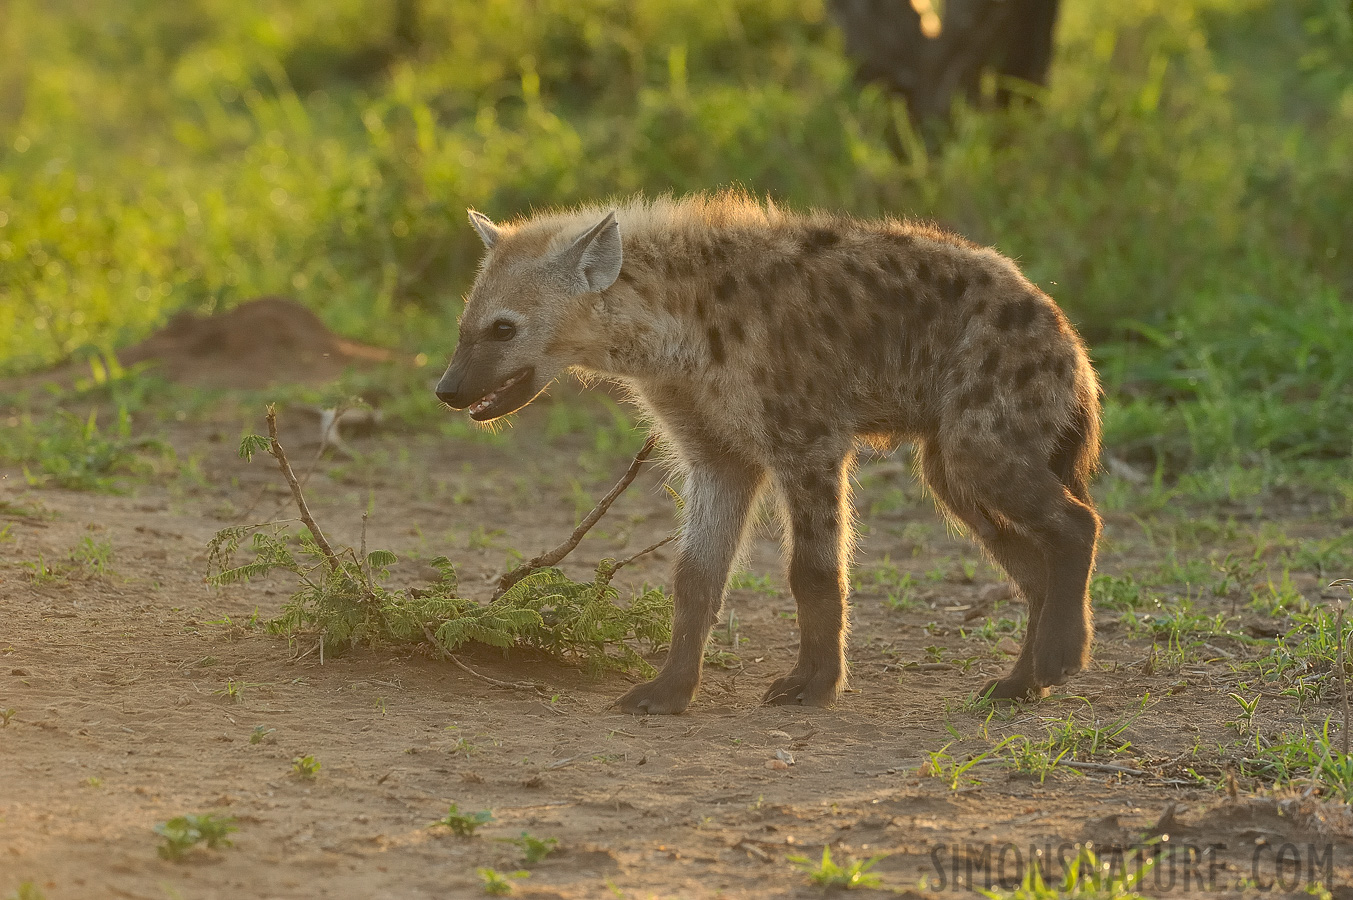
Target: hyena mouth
{"points": [[509, 396]]}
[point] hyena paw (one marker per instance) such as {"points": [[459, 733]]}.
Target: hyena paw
{"points": [[1060, 651], [656, 698], [805, 689], [1012, 688]]}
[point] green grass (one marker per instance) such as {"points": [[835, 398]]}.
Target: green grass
{"points": [[829, 873], [1086, 877], [464, 824], [181, 833], [1183, 190]]}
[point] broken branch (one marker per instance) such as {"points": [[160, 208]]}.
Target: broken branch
{"points": [[275, 448], [549, 558]]}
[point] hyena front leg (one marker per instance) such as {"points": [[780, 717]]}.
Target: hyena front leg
{"points": [[818, 511], [718, 499]]}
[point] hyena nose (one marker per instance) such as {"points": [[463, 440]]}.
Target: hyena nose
{"points": [[448, 391]]}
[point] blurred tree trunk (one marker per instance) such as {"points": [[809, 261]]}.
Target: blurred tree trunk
{"points": [[891, 42]]}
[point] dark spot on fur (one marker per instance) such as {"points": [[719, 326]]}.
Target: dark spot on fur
{"points": [[979, 308], [715, 345], [978, 396], [982, 278], [1025, 373], [726, 287], [924, 311], [831, 325], [873, 282], [701, 312], [991, 362], [923, 272], [1017, 313], [735, 332], [892, 265], [625, 277], [952, 288], [819, 239], [814, 430]]}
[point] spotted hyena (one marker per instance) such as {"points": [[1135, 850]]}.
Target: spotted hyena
{"points": [[767, 347]]}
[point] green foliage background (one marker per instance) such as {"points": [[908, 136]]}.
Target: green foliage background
{"points": [[1185, 191]]}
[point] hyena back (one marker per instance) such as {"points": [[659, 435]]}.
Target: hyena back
{"points": [[766, 346]]}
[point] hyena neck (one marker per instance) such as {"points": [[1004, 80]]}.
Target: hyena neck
{"points": [[633, 329]]}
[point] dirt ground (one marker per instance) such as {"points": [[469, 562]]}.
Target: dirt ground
{"points": [[132, 696]]}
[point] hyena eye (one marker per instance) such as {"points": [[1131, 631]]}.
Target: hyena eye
{"points": [[502, 330]]}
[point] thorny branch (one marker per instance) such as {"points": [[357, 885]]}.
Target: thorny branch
{"points": [[549, 558], [275, 449], [487, 679]]}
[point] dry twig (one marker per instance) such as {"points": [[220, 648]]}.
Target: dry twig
{"points": [[487, 679], [549, 558], [277, 453]]}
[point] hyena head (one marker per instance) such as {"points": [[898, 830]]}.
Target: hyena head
{"points": [[507, 353]]}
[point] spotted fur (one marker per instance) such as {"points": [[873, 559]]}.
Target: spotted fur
{"points": [[766, 346]]}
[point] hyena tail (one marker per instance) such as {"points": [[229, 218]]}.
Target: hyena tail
{"points": [[1076, 454]]}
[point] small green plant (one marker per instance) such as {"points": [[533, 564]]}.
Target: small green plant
{"points": [[76, 453], [496, 883], [41, 573], [464, 824], [305, 767], [1086, 877], [5, 715], [97, 556], [182, 833], [342, 597], [828, 873], [27, 890], [260, 734], [533, 848], [1245, 723], [944, 766]]}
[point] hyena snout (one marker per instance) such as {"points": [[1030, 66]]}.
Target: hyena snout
{"points": [[485, 395]]}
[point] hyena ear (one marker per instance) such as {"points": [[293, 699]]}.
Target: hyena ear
{"points": [[596, 256], [488, 232]]}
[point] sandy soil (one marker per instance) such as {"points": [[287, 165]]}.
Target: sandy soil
{"points": [[119, 685]]}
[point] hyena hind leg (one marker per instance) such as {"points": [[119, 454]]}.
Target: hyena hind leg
{"points": [[1022, 558], [1045, 538]]}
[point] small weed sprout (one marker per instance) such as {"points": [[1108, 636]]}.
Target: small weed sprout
{"points": [[260, 734], [96, 556], [533, 848], [305, 767], [463, 824], [828, 873], [496, 883], [182, 833], [27, 890], [5, 715], [1086, 877]]}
